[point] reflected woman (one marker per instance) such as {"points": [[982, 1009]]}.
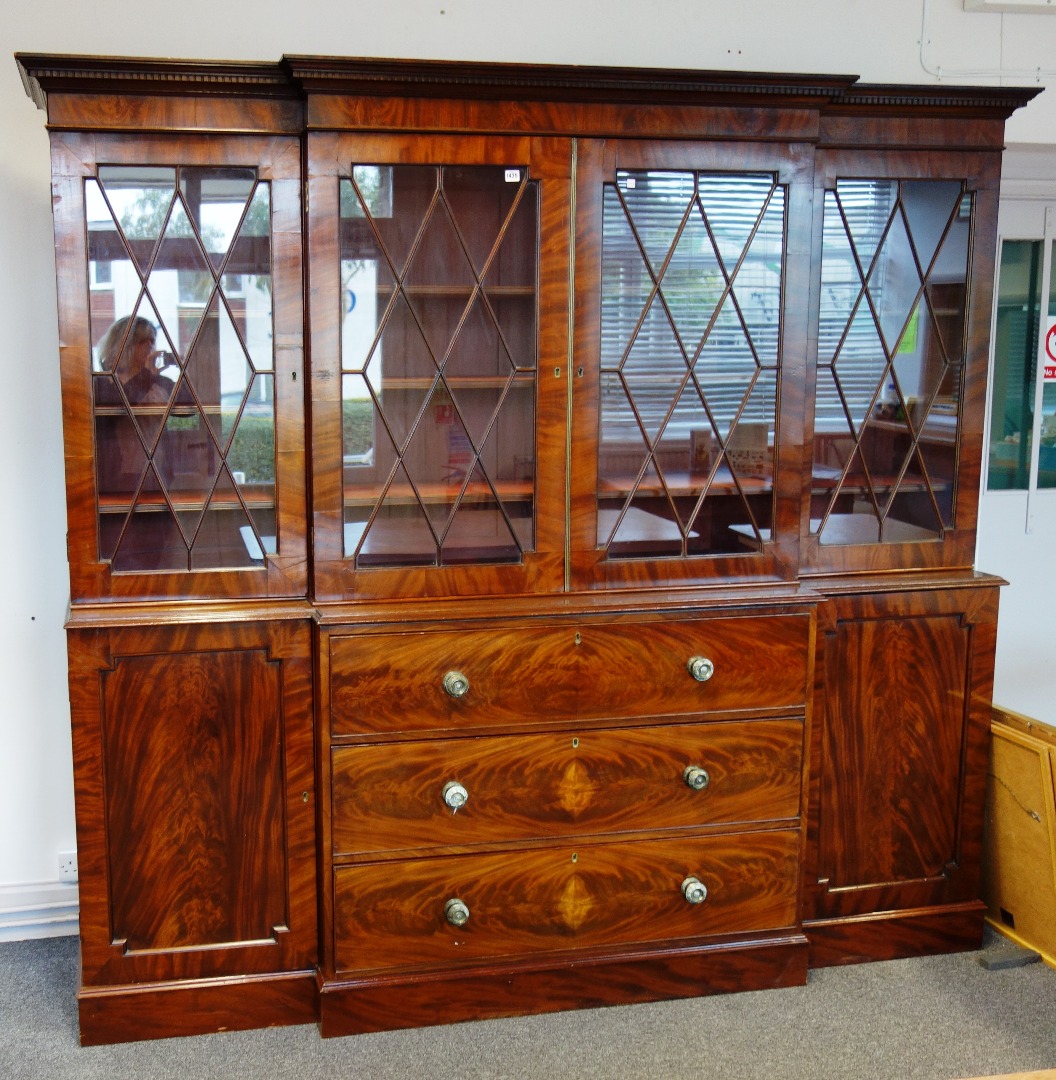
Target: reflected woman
{"points": [[136, 456], [128, 350], [128, 356]]}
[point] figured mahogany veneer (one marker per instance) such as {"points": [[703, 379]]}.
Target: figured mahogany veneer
{"points": [[390, 916], [399, 852], [391, 683], [902, 751], [587, 979], [262, 734], [192, 748], [578, 782]]}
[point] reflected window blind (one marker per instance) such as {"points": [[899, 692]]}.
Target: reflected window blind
{"points": [[692, 281], [846, 330]]}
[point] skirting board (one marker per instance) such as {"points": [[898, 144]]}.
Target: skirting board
{"points": [[38, 910]]}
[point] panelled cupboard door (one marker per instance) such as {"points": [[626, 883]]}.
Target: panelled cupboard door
{"points": [[181, 330], [439, 325], [904, 279], [900, 759], [692, 276], [195, 800]]}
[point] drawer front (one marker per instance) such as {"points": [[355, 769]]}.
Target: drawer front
{"points": [[394, 915], [515, 788], [390, 683]]}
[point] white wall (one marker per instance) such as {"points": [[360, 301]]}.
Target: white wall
{"points": [[1017, 535], [881, 42]]}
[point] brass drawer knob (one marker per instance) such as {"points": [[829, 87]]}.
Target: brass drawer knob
{"points": [[701, 668], [694, 890], [696, 777], [456, 684], [456, 913], [455, 795]]}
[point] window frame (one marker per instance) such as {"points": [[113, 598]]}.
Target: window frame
{"points": [[1019, 223]]}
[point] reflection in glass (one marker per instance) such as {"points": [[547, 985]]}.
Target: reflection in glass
{"points": [[1014, 391], [182, 358], [438, 350], [1047, 432], [692, 286], [890, 359]]}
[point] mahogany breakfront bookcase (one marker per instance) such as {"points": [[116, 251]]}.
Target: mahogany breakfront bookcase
{"points": [[521, 531]]}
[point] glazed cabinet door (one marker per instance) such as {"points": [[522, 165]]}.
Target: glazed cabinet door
{"points": [[904, 284], [899, 773], [439, 300], [196, 837], [180, 316], [692, 267]]}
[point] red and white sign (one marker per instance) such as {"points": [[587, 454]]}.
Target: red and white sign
{"points": [[1050, 352]]}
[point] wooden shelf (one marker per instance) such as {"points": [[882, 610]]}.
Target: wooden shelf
{"points": [[524, 380], [161, 410], [683, 484], [510, 491], [455, 292], [939, 429], [843, 529], [826, 478], [257, 497], [389, 542]]}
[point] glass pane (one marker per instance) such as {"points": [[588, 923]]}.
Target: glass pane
{"points": [[181, 319], [928, 206], [246, 286], [894, 284], [1015, 363], [693, 285], [135, 202], [692, 274], [890, 360], [251, 463], [1047, 447], [1047, 434], [841, 293], [216, 200], [438, 348]]}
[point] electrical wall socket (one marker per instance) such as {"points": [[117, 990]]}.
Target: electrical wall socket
{"points": [[68, 867]]}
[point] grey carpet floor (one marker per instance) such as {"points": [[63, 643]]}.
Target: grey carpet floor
{"points": [[937, 1018]]}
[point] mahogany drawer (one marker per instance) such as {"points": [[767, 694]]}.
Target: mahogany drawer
{"points": [[394, 682], [395, 915], [518, 787]]}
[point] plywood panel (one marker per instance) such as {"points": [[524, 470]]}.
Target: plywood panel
{"points": [[1019, 854]]}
